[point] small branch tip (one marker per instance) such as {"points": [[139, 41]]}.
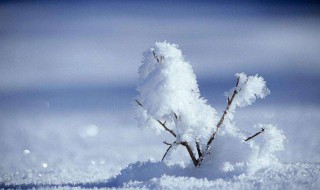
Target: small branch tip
{"points": [[258, 133]]}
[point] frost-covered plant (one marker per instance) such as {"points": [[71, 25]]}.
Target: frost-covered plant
{"points": [[169, 100]]}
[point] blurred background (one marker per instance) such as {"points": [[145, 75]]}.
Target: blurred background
{"points": [[68, 71]]}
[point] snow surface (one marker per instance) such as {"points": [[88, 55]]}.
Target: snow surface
{"points": [[87, 162], [157, 175]]}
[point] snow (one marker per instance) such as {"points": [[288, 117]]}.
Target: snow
{"points": [[249, 88], [157, 175], [290, 176], [70, 163], [26, 152]]}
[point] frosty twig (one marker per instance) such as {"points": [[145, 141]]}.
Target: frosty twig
{"points": [[162, 124], [166, 128], [194, 160], [185, 144], [262, 129], [156, 57], [230, 100], [235, 92], [139, 103], [161, 60], [165, 154], [199, 149]]}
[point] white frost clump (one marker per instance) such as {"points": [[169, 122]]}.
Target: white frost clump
{"points": [[169, 99], [270, 142], [256, 153], [248, 89], [169, 92]]}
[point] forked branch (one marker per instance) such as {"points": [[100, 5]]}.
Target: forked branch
{"points": [[166, 128], [212, 137], [159, 60], [156, 57], [189, 149], [165, 154], [162, 124], [170, 146], [201, 153]]}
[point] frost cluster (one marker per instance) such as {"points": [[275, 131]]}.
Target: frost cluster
{"points": [[168, 91], [169, 95], [246, 92]]}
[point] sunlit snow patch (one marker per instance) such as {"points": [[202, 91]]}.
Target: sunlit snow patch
{"points": [[26, 152], [44, 165], [89, 131]]}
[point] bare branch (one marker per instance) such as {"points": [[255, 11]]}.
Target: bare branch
{"points": [[194, 160], [185, 144], [161, 60], [156, 57], [162, 124], [138, 103], [165, 154], [171, 145], [235, 92], [175, 115], [201, 154], [238, 79], [170, 131], [165, 142], [199, 149], [262, 129], [166, 128]]}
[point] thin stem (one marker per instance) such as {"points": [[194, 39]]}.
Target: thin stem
{"points": [[175, 116], [185, 144], [194, 160], [262, 129], [165, 154], [162, 124], [166, 128], [198, 149], [170, 146], [166, 143], [230, 100], [139, 103], [156, 57]]}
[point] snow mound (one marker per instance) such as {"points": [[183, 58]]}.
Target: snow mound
{"points": [[156, 175]]}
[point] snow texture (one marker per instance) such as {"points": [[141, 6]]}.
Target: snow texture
{"points": [[157, 175]]}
